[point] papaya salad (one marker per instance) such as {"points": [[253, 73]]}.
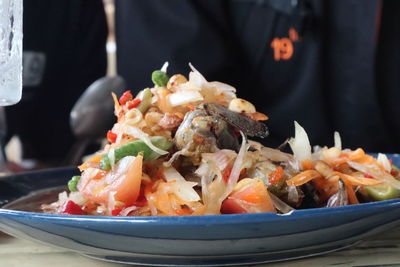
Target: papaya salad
{"points": [[182, 148]]}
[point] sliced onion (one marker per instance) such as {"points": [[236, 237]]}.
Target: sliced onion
{"points": [[164, 67], [237, 165], [184, 97], [63, 197], [330, 154], [123, 165], [136, 132], [221, 158], [90, 173], [77, 198], [376, 172], [126, 211], [340, 198], [187, 86], [384, 161], [181, 188], [196, 78], [338, 140], [118, 129], [255, 145], [223, 88], [280, 205], [300, 144], [275, 154], [111, 202], [293, 194]]}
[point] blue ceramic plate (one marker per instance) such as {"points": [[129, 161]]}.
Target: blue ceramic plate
{"points": [[197, 240]]}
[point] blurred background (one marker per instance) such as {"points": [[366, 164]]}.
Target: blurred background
{"points": [[330, 65]]}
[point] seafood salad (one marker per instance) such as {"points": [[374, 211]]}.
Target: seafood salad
{"points": [[182, 147]]}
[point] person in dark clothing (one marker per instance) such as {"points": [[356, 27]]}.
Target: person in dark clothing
{"points": [[64, 52], [330, 65]]}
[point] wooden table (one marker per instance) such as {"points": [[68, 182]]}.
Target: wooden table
{"points": [[381, 250]]}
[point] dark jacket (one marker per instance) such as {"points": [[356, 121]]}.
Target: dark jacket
{"points": [[315, 63]]}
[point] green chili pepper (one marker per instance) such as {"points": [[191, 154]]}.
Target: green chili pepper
{"points": [[134, 148], [159, 78], [146, 101], [73, 183]]}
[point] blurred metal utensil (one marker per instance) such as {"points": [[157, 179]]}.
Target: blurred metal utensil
{"points": [[93, 115]]}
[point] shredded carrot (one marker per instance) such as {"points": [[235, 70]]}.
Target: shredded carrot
{"points": [[342, 159], [167, 203], [353, 180], [359, 156], [92, 162], [326, 187], [303, 177], [163, 102], [356, 154], [276, 175], [351, 195], [307, 164], [257, 116], [179, 115]]}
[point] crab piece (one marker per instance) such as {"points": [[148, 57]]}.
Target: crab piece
{"points": [[211, 127], [247, 125], [200, 133]]}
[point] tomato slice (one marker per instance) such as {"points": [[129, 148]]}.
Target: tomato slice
{"points": [[250, 195], [124, 180]]}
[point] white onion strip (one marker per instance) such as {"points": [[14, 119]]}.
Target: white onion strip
{"points": [[181, 188], [300, 144], [338, 140], [384, 161], [164, 67], [126, 211], [136, 132], [237, 165], [375, 172], [279, 204]]}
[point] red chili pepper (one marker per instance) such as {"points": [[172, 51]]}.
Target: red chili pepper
{"points": [[394, 172], [72, 208], [116, 212], [227, 173], [125, 97], [111, 137], [134, 103], [368, 176]]}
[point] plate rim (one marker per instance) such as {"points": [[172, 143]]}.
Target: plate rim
{"points": [[209, 219]]}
